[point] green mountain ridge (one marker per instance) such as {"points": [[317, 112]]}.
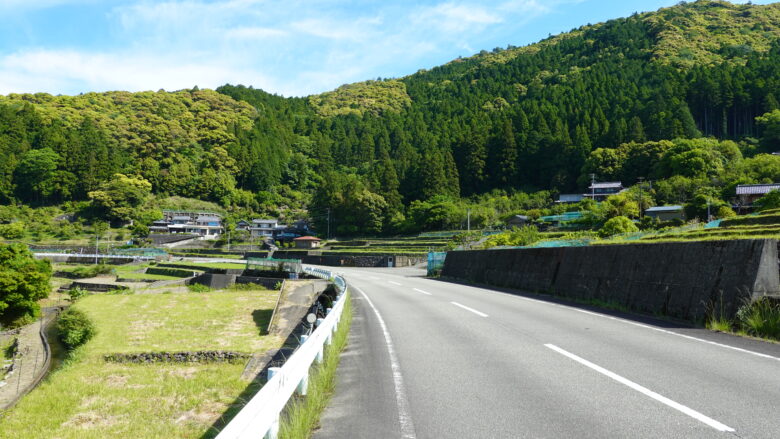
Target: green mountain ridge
{"points": [[382, 155]]}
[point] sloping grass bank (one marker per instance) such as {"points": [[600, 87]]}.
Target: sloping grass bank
{"points": [[91, 398]]}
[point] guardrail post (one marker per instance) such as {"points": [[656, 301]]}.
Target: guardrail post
{"points": [[303, 385], [320, 355], [273, 431]]}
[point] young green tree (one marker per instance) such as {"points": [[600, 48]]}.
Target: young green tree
{"points": [[23, 281], [120, 198]]}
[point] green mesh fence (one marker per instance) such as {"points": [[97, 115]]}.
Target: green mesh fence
{"points": [[270, 264]]}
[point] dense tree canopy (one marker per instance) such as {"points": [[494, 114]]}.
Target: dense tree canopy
{"points": [[686, 97]]}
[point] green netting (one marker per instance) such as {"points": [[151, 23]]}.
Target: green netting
{"points": [[270, 264], [151, 252], [436, 262], [560, 243]]}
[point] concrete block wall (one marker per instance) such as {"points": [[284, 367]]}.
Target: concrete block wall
{"points": [[685, 280]]}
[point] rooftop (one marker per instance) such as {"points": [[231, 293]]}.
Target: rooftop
{"points": [[756, 189], [606, 185], [664, 209], [307, 238]]}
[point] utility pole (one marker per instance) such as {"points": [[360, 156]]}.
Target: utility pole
{"points": [[468, 219], [328, 235], [593, 187], [709, 217], [641, 180], [97, 240]]}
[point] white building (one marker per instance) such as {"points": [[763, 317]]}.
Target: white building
{"points": [[263, 228]]}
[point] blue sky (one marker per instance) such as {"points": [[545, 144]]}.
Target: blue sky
{"points": [[292, 47]]}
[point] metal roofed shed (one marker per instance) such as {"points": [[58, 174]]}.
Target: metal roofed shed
{"points": [[307, 242], [570, 198], [666, 213]]}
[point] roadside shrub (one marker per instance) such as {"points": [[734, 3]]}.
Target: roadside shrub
{"points": [[75, 328], [525, 235], [198, 288], [617, 225], [76, 293], [761, 318], [247, 287], [725, 212], [769, 201], [91, 271]]}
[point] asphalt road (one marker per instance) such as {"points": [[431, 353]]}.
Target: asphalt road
{"points": [[431, 359]]}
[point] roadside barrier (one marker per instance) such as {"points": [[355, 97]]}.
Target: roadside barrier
{"points": [[260, 416]]}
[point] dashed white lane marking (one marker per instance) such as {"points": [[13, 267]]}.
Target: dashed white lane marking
{"points": [[394, 283], [407, 426], [422, 292], [647, 392], [641, 325], [479, 313]]}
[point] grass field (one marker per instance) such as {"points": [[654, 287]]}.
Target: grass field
{"points": [[90, 398]]}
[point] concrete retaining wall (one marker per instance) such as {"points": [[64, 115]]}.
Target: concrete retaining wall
{"points": [[684, 280]]}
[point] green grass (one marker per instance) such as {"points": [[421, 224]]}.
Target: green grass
{"points": [[761, 319], [302, 414], [719, 324], [90, 398]]}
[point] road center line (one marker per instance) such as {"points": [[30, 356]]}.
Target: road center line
{"points": [[481, 314], [641, 325], [394, 283], [422, 292], [647, 392], [407, 427]]}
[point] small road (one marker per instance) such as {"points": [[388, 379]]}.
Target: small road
{"points": [[431, 359]]}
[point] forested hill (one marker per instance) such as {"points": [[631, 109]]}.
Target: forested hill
{"points": [[607, 98]]}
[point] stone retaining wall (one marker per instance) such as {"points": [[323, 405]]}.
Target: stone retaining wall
{"points": [[178, 357], [685, 280]]}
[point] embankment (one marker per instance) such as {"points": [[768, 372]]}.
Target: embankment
{"points": [[685, 280]]}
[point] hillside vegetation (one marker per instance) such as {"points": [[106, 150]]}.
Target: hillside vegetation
{"points": [[686, 96]]}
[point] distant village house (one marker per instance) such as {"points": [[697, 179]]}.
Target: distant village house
{"points": [[747, 194], [307, 242], [206, 225]]}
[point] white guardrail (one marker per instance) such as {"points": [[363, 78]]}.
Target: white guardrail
{"points": [[260, 416]]}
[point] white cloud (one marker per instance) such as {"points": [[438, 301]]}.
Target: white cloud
{"points": [[292, 47], [454, 17], [47, 71]]}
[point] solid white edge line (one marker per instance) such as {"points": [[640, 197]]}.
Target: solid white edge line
{"points": [[641, 325], [404, 418], [423, 292], [394, 283], [660, 398], [479, 313]]}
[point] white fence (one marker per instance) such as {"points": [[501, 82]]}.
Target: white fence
{"points": [[260, 416]]}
